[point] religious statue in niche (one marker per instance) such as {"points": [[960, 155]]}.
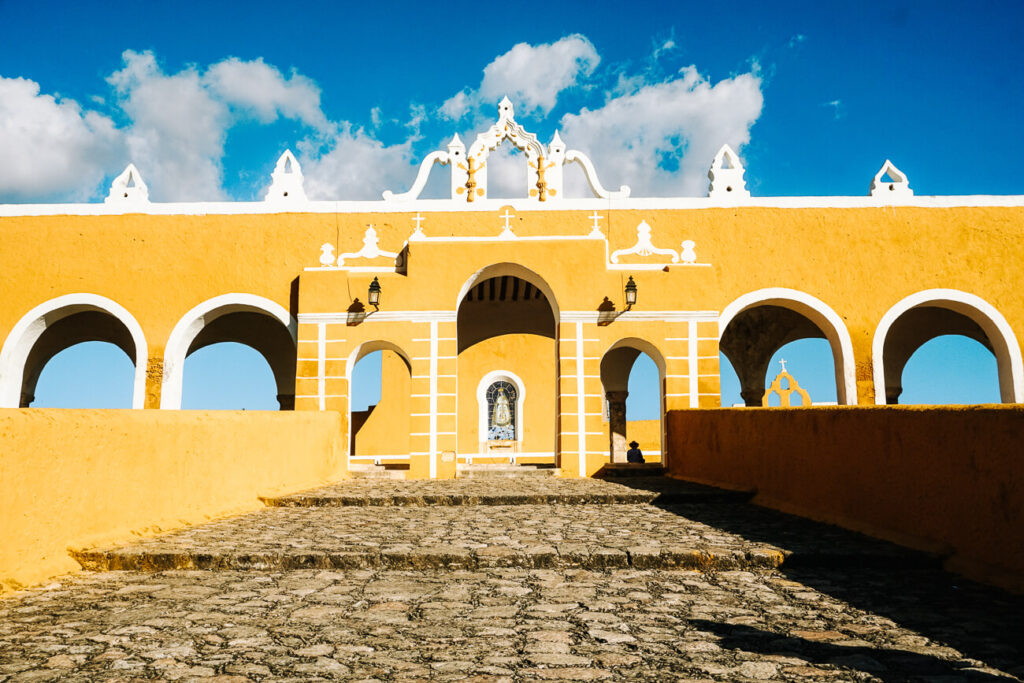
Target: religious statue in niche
{"points": [[501, 411]]}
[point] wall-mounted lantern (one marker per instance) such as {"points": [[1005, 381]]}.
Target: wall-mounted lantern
{"points": [[373, 296], [630, 293]]}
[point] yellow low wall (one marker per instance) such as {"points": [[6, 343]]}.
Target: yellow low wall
{"points": [[947, 479], [75, 478]]}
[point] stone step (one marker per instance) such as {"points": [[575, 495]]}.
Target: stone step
{"points": [[521, 491], [696, 537], [377, 472], [618, 470], [505, 471]]}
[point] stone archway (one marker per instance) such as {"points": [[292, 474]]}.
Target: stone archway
{"points": [[616, 366]]}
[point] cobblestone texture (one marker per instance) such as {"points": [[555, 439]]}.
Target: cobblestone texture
{"points": [[853, 609], [512, 625], [532, 536]]}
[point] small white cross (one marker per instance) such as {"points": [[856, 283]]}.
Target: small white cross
{"points": [[507, 216], [419, 219], [596, 231], [782, 361]]}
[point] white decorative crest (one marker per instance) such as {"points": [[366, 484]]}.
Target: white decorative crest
{"points": [[688, 254], [369, 250], [643, 246], [286, 181], [128, 188], [544, 164], [726, 175], [327, 255], [896, 186]]}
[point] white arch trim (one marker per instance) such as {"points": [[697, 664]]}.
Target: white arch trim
{"points": [[481, 402], [358, 353], [193, 322], [515, 270], [654, 353], [27, 331], [996, 328], [818, 312]]}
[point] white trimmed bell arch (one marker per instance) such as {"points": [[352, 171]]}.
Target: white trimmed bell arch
{"points": [[514, 270], [31, 326], [481, 401], [818, 312], [1000, 335], [193, 322]]}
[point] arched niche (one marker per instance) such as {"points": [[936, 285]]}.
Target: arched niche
{"points": [[60, 323], [925, 315], [259, 323], [754, 326], [519, 416]]}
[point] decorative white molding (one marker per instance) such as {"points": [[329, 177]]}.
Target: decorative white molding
{"points": [[26, 332], [1004, 342], [193, 322], [643, 246], [369, 249], [342, 317], [286, 181], [726, 176], [421, 178], [818, 312], [688, 253], [327, 256], [591, 174], [128, 188], [897, 187]]}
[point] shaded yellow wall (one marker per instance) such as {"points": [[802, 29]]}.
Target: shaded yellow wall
{"points": [[529, 356], [74, 478], [946, 479], [386, 430]]}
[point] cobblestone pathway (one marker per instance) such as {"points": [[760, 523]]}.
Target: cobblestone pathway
{"points": [[869, 612]]}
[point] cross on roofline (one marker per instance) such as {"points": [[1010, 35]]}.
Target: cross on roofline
{"points": [[782, 362], [507, 216]]}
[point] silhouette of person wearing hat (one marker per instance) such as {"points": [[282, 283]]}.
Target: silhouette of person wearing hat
{"points": [[634, 454]]}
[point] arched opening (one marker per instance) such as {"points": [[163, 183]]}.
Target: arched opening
{"points": [[253, 321], [507, 344], [228, 376], [922, 317], [88, 375], [380, 385], [58, 325], [633, 379], [756, 326]]}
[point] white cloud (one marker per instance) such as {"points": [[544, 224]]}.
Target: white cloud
{"points": [[357, 166], [531, 75], [177, 131], [661, 138], [263, 91], [50, 148]]}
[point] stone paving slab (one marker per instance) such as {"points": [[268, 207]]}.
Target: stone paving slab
{"points": [[512, 625], [720, 537], [513, 491]]}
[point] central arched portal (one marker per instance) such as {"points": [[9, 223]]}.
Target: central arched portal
{"points": [[507, 367]]}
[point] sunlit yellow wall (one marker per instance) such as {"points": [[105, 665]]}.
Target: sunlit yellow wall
{"points": [[74, 478]]}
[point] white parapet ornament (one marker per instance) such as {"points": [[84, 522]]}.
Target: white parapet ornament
{"points": [[128, 188], [726, 176], [286, 181], [890, 182]]}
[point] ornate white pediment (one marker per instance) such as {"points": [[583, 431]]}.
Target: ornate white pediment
{"points": [[644, 247], [286, 180], [726, 176], [128, 188], [890, 182], [544, 164]]}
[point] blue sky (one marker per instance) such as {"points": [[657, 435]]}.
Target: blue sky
{"points": [[204, 97]]}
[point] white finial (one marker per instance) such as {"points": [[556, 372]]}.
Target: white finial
{"points": [[418, 232], [327, 255], [128, 188], [507, 232], [688, 253], [782, 362], [726, 175], [897, 185], [505, 109], [595, 231], [286, 180]]}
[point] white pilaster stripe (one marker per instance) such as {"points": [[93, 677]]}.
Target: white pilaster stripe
{"points": [[321, 364], [581, 419], [692, 352], [433, 399]]}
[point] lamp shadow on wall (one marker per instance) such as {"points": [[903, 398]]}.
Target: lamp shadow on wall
{"points": [[906, 586], [356, 313], [606, 313]]}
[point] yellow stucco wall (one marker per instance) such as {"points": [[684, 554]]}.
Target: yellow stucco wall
{"points": [[74, 478], [386, 430]]}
